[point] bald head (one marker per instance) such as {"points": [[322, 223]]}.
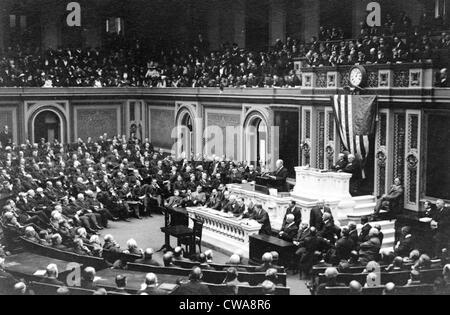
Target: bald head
{"points": [[331, 273], [355, 287], [235, 260], [196, 274], [151, 279], [268, 287], [267, 258]]}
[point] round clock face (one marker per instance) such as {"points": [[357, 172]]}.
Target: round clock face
{"points": [[356, 76]]}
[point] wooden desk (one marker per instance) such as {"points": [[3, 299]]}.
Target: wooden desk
{"points": [[260, 244], [271, 182], [107, 279], [25, 265]]}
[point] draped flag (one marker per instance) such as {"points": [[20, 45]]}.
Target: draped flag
{"points": [[355, 119]]}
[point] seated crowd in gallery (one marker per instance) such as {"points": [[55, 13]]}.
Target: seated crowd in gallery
{"points": [[122, 62]]}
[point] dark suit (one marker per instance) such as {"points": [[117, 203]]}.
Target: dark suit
{"points": [[315, 219], [281, 173], [404, 247], [193, 288], [364, 234], [393, 200], [330, 232], [370, 250], [153, 291], [262, 218], [289, 232], [297, 212], [344, 247], [5, 138]]}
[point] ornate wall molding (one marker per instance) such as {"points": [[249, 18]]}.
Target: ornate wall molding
{"points": [[412, 159], [60, 108]]}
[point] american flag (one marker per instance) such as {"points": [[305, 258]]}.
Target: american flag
{"points": [[355, 117]]}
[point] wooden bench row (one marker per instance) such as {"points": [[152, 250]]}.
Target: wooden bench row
{"points": [[424, 289], [219, 267], [209, 276], [399, 277], [96, 262]]}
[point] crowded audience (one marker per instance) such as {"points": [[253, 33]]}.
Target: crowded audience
{"points": [[129, 63]]}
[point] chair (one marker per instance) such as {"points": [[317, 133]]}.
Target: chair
{"points": [[195, 239]]}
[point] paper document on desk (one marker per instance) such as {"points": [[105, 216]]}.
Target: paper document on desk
{"points": [[168, 286], [250, 222], [40, 273]]}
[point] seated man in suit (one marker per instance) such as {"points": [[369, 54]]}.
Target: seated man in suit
{"points": [[7, 280], [341, 163], [392, 201], [88, 279], [148, 259], [366, 227], [329, 230], [204, 263], [151, 286], [267, 260], [316, 216], [121, 284], [178, 254], [296, 211], [231, 279], [261, 216], [290, 230], [331, 274], [195, 285], [370, 250], [199, 197], [405, 245], [51, 275], [441, 225], [235, 261]]}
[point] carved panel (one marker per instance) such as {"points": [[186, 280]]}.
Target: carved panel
{"points": [[321, 81], [401, 78], [399, 144], [381, 155], [224, 120], [161, 126], [93, 122], [372, 79], [320, 153], [6, 119], [412, 160]]}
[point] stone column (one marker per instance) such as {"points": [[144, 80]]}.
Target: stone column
{"points": [[239, 22], [277, 21]]}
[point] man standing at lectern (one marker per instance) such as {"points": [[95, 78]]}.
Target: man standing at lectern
{"points": [[281, 171]]}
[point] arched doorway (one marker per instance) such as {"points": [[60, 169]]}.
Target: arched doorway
{"points": [[47, 125], [257, 139]]}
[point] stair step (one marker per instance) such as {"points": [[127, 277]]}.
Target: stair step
{"points": [[362, 198]]}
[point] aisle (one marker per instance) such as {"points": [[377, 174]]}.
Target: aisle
{"points": [[147, 234]]}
